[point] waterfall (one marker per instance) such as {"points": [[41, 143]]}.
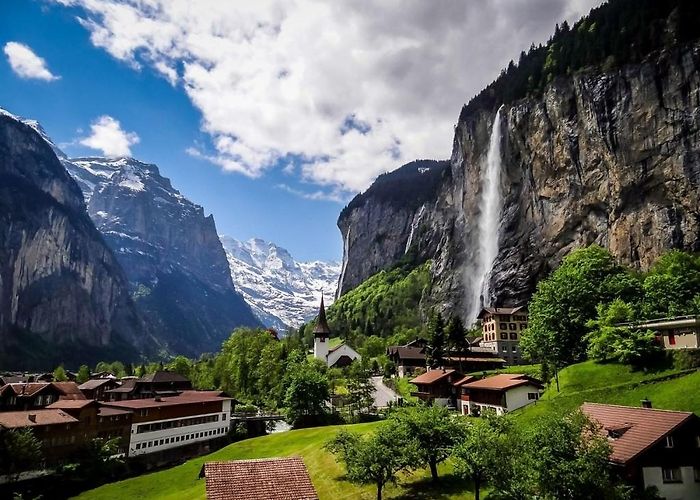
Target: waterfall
{"points": [[346, 251], [489, 221], [414, 226]]}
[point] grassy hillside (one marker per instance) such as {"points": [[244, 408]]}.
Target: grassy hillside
{"points": [[182, 482], [616, 384]]}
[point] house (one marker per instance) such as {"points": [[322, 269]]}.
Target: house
{"points": [[163, 423], [259, 479], [653, 447], [339, 356], [437, 386], [95, 388], [98, 422], [35, 395], [160, 383], [501, 393], [679, 332], [59, 433], [501, 328], [406, 358]]}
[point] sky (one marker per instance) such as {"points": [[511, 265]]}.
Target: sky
{"points": [[272, 115]]}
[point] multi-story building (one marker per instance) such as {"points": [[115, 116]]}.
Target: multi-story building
{"points": [[501, 329], [678, 332], [163, 423]]}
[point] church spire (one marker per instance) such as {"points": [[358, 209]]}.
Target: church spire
{"points": [[322, 329]]}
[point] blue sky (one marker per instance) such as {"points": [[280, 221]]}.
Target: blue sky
{"points": [[270, 114], [92, 83]]}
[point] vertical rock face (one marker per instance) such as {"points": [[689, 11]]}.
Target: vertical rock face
{"points": [[611, 158], [170, 250], [63, 295]]}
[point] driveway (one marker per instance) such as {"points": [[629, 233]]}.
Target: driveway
{"points": [[382, 394]]}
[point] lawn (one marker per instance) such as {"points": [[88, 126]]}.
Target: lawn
{"points": [[532, 370], [182, 482], [616, 384]]}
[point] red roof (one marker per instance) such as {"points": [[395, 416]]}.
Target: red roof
{"points": [[109, 412], [33, 418], [503, 382], [432, 376], [25, 389], [260, 479], [70, 390], [185, 397], [71, 403], [637, 428]]}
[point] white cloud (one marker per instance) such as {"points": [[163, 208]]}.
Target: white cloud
{"points": [[26, 64], [106, 135], [348, 89]]}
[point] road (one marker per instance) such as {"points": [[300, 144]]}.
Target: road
{"points": [[382, 394]]}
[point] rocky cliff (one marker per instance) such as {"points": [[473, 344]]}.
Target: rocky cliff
{"points": [[63, 295], [611, 157], [177, 268]]}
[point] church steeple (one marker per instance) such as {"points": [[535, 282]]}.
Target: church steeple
{"points": [[322, 329]]}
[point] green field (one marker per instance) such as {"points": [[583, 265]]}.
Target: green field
{"points": [[616, 384], [182, 482]]}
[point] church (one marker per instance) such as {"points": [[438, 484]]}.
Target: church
{"points": [[336, 357]]}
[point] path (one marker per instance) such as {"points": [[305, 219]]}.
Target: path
{"points": [[382, 394]]}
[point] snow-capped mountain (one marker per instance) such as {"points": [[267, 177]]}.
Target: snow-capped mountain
{"points": [[169, 249], [281, 291]]}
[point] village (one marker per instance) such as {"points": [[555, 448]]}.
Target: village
{"points": [[159, 419]]}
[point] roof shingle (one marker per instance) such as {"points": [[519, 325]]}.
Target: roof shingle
{"points": [[261, 479], [433, 376], [502, 382], [643, 427], [16, 419]]}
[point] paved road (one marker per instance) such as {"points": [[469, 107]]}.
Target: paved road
{"points": [[382, 394]]}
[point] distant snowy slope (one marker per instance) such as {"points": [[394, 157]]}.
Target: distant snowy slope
{"points": [[281, 291]]}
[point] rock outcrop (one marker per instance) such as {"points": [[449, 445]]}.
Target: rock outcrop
{"points": [[177, 268], [605, 157], [63, 295]]}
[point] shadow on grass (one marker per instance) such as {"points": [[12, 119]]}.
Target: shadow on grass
{"points": [[448, 486]]}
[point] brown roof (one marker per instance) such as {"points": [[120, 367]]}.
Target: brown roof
{"points": [[407, 352], [464, 380], [15, 419], [26, 389], [186, 397], [103, 411], [70, 390], [322, 323], [432, 376], [163, 376], [501, 310], [65, 404], [260, 479], [94, 383], [638, 428], [503, 382], [127, 386]]}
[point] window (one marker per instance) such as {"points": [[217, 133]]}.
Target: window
{"points": [[669, 441], [523, 326], [533, 396], [671, 339], [138, 446], [513, 336], [223, 416], [514, 348], [503, 326], [671, 475], [504, 336], [161, 441], [512, 326]]}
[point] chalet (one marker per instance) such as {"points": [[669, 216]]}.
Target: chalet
{"points": [[160, 383], [437, 386], [339, 356], [259, 479], [35, 395], [653, 447], [163, 423], [406, 358], [501, 393], [96, 388], [501, 328], [679, 332], [96, 421], [59, 433], [463, 395]]}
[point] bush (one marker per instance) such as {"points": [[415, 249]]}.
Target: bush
{"points": [[686, 359]]}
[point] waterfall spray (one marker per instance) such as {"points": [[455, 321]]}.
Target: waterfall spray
{"points": [[489, 220]]}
